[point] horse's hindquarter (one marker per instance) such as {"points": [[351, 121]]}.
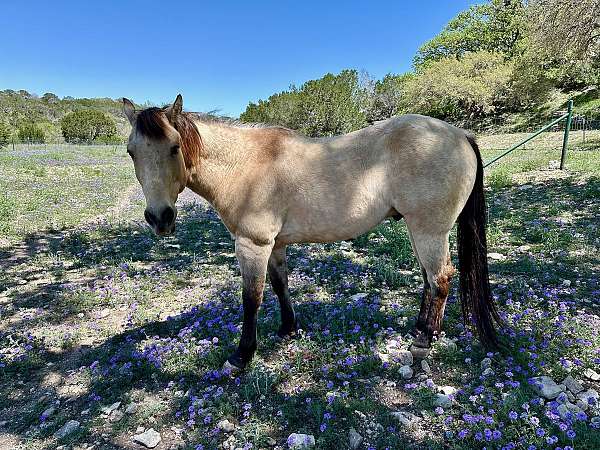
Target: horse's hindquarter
{"points": [[436, 165], [342, 187]]}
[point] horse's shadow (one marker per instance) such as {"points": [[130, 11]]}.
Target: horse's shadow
{"points": [[113, 386]]}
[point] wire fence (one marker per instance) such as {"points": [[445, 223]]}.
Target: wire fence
{"points": [[543, 148]]}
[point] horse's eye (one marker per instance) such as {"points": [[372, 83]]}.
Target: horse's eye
{"points": [[174, 150]]}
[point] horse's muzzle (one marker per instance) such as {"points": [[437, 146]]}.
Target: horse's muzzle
{"points": [[164, 224]]}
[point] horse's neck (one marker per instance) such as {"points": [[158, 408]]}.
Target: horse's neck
{"points": [[222, 158]]}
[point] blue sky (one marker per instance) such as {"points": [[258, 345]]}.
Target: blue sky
{"points": [[218, 54]]}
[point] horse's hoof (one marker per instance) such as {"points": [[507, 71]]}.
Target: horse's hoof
{"points": [[419, 352], [230, 368], [234, 364], [284, 333]]}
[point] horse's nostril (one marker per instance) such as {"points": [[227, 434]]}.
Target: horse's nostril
{"points": [[150, 218], [167, 216]]}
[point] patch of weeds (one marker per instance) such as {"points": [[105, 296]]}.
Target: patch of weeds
{"points": [[91, 171], [257, 382], [69, 340], [8, 206], [35, 169], [387, 271], [423, 398], [20, 353], [448, 354], [499, 179], [390, 239]]}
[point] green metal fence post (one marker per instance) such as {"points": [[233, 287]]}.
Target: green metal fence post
{"points": [[563, 155]]}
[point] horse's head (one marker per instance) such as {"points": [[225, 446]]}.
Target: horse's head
{"points": [[161, 143]]}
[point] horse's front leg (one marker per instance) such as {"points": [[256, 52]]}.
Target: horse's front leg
{"points": [[253, 260], [279, 281]]}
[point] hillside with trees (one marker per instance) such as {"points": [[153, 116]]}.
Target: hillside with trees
{"points": [[507, 63], [27, 117]]}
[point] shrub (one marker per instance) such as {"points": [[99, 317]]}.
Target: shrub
{"points": [[4, 134], [327, 106], [31, 133], [114, 139], [278, 109], [468, 88], [87, 125], [499, 178], [386, 98]]}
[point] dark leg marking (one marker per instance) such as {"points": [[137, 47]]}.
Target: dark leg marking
{"points": [[253, 266], [278, 275], [435, 313], [252, 298], [425, 304]]}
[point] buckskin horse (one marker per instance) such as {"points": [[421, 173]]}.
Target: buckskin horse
{"points": [[273, 187]]}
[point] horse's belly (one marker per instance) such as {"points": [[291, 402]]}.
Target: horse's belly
{"points": [[332, 224]]}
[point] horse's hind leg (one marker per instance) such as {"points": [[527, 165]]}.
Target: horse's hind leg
{"points": [[435, 257], [278, 275], [425, 296]]}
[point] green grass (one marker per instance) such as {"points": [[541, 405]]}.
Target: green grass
{"points": [[50, 189]]}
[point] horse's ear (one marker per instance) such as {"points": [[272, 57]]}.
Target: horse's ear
{"points": [[175, 110], [129, 110]]}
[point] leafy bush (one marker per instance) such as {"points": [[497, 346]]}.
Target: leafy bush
{"points": [[278, 109], [329, 105], [4, 134], [114, 139], [386, 99], [455, 90], [87, 125], [499, 179], [29, 132]]}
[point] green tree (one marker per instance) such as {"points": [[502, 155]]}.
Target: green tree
{"points": [[87, 125], [330, 105], [564, 41], [494, 26], [566, 27], [324, 107], [29, 132], [278, 109], [49, 97], [4, 134], [386, 99], [456, 90]]}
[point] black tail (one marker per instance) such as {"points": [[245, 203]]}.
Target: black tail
{"points": [[476, 299]]}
